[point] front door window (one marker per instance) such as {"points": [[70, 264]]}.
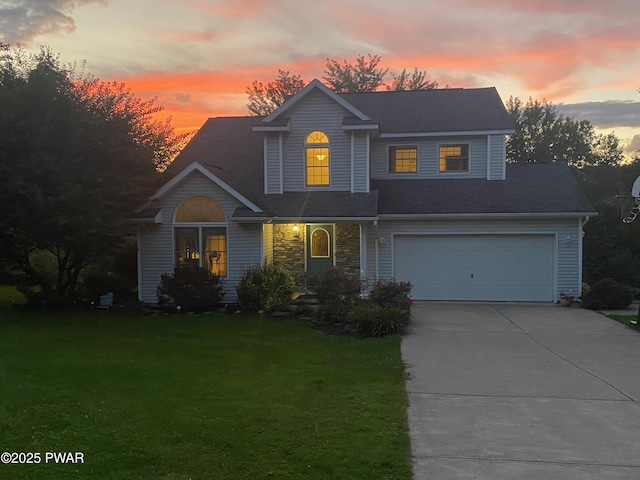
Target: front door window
{"points": [[319, 248], [320, 243]]}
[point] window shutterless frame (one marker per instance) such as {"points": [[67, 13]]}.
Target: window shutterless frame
{"points": [[453, 158], [402, 158], [317, 160]]}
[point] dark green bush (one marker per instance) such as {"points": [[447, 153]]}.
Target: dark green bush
{"points": [[333, 312], [390, 293], [334, 285], [192, 288], [337, 293], [607, 294], [268, 287], [372, 320]]}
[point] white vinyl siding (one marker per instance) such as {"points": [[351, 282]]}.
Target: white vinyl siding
{"points": [[565, 231], [360, 162], [497, 152], [157, 246], [272, 170], [317, 112]]}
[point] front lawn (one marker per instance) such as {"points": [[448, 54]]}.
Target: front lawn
{"points": [[190, 397], [624, 319], [9, 295]]}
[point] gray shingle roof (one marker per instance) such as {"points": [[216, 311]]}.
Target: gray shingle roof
{"points": [[298, 205], [529, 188], [230, 150], [234, 153], [442, 110]]}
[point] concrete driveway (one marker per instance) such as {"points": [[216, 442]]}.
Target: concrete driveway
{"points": [[510, 391]]}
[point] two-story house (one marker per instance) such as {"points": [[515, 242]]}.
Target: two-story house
{"points": [[409, 185]]}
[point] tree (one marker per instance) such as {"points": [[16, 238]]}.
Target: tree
{"points": [[363, 76], [345, 77], [416, 80], [611, 247], [264, 99], [545, 135], [76, 156]]}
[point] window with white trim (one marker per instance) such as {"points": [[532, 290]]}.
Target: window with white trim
{"points": [[200, 231], [403, 159], [454, 158], [317, 159]]}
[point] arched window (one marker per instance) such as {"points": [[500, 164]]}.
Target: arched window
{"points": [[320, 247], [317, 158], [201, 234]]}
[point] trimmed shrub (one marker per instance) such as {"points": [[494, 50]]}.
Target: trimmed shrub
{"points": [[333, 312], [268, 287], [607, 294], [372, 320], [390, 293], [193, 288], [337, 293], [334, 285]]}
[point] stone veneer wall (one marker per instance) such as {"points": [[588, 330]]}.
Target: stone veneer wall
{"points": [[348, 248], [288, 249]]}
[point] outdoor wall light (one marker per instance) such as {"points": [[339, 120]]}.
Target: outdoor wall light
{"points": [[566, 240], [296, 230]]}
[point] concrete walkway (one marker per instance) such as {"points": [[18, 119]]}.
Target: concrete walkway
{"points": [[511, 391]]}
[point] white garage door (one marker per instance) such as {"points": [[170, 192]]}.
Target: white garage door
{"points": [[476, 267]]}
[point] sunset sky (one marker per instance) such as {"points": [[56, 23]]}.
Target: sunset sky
{"points": [[199, 56]]}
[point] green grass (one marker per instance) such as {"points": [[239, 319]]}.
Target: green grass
{"points": [[188, 397], [10, 295], [624, 319]]}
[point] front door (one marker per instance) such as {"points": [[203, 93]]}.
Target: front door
{"points": [[319, 248]]}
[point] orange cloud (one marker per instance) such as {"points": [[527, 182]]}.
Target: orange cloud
{"points": [[546, 48]]}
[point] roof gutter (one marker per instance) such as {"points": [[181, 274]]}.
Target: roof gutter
{"points": [[465, 133], [462, 216], [302, 219]]}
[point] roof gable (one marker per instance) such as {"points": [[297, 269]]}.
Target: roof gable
{"points": [[195, 166], [315, 85]]}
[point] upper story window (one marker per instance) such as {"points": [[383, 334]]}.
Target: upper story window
{"points": [[317, 158], [403, 159], [454, 158]]}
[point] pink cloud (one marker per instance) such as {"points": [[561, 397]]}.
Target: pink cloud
{"points": [[546, 46], [235, 9]]}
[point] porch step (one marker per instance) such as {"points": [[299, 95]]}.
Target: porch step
{"points": [[304, 304], [304, 299]]}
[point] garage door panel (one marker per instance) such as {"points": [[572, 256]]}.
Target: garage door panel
{"points": [[476, 267]]}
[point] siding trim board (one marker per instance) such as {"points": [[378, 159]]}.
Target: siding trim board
{"points": [[353, 162], [488, 157], [265, 155], [368, 163], [281, 162], [463, 216], [446, 134]]}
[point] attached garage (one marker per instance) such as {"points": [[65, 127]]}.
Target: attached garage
{"points": [[477, 267]]}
